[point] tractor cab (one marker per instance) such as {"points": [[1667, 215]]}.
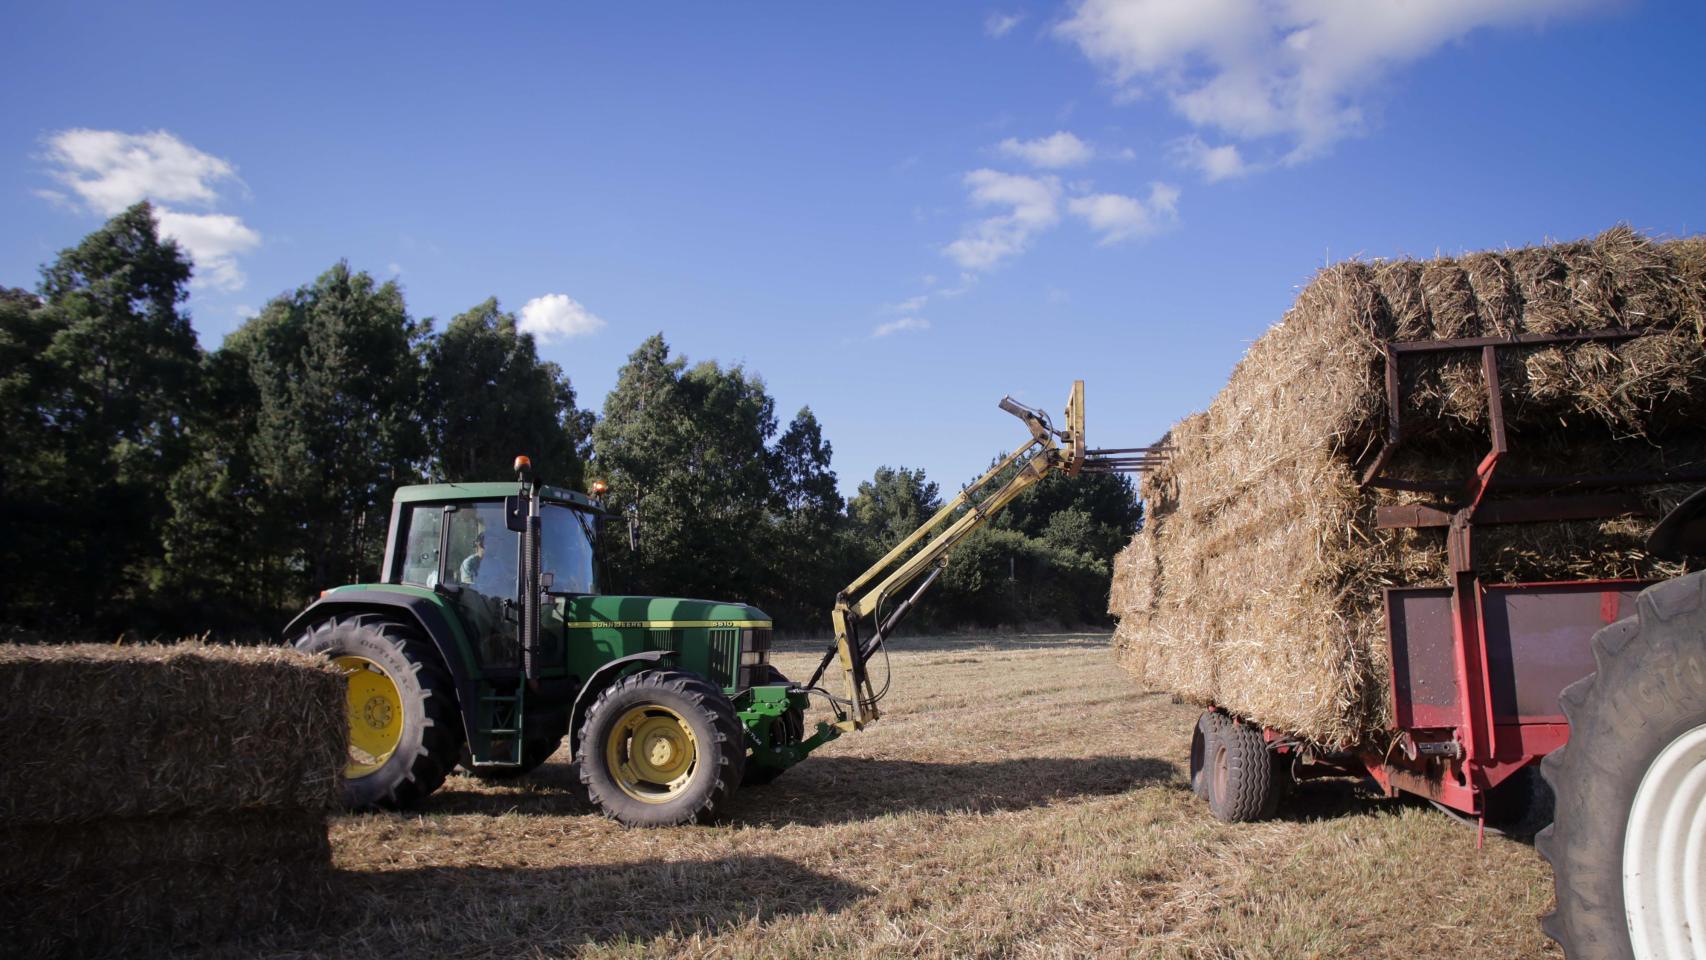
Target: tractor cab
{"points": [[459, 541]]}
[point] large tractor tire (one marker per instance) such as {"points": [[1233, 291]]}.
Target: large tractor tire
{"points": [[405, 731], [789, 728], [1203, 739], [661, 748], [1628, 839], [1242, 784]]}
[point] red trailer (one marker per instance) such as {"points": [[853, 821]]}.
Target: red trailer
{"points": [[1477, 668]]}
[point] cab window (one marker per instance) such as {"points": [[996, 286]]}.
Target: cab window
{"points": [[420, 550]]}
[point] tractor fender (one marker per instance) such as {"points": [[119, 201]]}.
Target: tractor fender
{"points": [[603, 677], [1682, 532], [424, 612]]}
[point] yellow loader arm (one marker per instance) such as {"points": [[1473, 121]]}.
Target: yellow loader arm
{"points": [[1047, 450]]}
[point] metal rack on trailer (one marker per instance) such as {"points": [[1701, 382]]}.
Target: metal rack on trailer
{"points": [[1477, 668]]}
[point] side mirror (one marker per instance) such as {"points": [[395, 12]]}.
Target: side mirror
{"points": [[515, 514]]}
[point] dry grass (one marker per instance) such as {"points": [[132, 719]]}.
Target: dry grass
{"points": [[1021, 797]]}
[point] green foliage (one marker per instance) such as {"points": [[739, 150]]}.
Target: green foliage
{"points": [[335, 429], [487, 397], [890, 505], [147, 484], [807, 548], [105, 369], [685, 448]]}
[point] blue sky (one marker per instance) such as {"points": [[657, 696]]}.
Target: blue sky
{"points": [[896, 213]]}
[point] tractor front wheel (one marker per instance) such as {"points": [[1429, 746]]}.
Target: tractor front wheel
{"points": [[404, 730], [661, 748]]}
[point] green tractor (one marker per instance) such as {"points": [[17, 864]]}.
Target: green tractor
{"points": [[488, 643]]}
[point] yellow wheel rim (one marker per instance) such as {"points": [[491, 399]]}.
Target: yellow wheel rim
{"points": [[375, 715], [651, 753]]}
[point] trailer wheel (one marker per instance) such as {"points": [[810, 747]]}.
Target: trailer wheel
{"points": [[1242, 786], [1628, 839], [660, 748], [1202, 751], [405, 731]]}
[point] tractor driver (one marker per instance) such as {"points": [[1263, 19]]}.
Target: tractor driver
{"points": [[470, 569]]}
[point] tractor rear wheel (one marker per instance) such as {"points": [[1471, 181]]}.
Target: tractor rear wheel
{"points": [[1202, 750], [661, 748], [1242, 785], [403, 725], [789, 728], [1628, 836]]}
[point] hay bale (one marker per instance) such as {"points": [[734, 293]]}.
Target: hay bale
{"points": [[162, 796], [133, 731], [1256, 584], [119, 886]]}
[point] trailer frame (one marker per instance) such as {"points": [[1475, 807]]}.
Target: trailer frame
{"points": [[1476, 667]]}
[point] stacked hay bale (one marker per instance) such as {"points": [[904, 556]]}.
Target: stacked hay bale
{"points": [[1256, 582], [162, 795]]}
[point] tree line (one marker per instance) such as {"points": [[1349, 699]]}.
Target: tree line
{"points": [[149, 485]]}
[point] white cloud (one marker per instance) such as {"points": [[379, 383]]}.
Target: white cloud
{"points": [[1033, 206], [909, 305], [1224, 162], [998, 24], [112, 170], [1059, 149], [213, 240], [556, 315], [395, 268], [901, 325], [1294, 70], [1118, 217], [109, 171]]}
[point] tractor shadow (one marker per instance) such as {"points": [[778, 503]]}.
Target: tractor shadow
{"points": [[552, 911], [827, 790]]}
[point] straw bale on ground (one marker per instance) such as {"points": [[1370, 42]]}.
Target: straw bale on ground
{"points": [[1256, 582], [128, 731], [160, 796]]}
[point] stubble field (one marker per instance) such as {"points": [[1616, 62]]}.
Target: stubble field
{"points": [[1021, 797]]}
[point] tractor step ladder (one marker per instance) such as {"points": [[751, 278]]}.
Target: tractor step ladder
{"points": [[500, 720]]}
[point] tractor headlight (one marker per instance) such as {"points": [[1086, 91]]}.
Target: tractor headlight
{"points": [[754, 654]]}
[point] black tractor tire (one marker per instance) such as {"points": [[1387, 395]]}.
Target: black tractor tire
{"points": [[790, 728], [1202, 750], [431, 734], [719, 749], [1649, 691], [1243, 788]]}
